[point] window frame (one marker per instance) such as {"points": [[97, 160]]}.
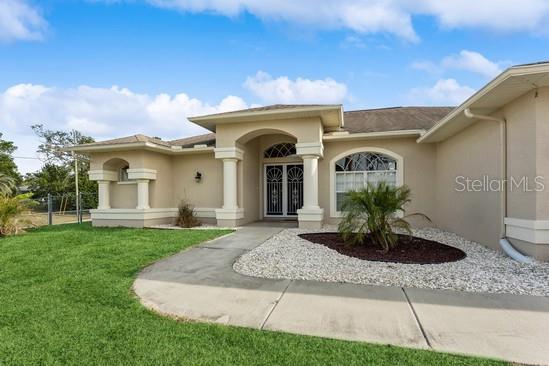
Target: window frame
{"points": [[399, 172]]}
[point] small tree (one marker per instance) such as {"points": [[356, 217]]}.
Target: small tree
{"points": [[374, 211], [12, 210]]}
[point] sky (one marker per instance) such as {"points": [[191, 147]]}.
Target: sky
{"points": [[116, 68]]}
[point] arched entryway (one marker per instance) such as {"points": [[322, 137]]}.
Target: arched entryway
{"points": [[282, 181]]}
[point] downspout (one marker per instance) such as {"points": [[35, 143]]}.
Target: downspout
{"points": [[503, 242]]}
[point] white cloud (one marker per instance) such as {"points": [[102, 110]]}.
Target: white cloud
{"points": [[286, 91], [497, 15], [474, 62], [387, 16], [100, 112], [20, 21], [471, 61], [444, 92], [370, 16]]}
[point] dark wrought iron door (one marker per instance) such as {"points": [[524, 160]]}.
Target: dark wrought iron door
{"points": [[294, 184], [274, 185]]}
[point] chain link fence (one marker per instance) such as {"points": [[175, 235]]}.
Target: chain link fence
{"points": [[60, 209]]}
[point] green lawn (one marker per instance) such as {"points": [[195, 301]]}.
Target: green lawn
{"points": [[65, 299]]}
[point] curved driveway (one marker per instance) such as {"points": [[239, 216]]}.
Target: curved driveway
{"points": [[200, 284]]}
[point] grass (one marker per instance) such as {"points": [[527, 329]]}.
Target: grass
{"points": [[65, 299]]}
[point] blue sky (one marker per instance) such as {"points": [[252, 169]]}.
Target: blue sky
{"points": [[113, 68]]}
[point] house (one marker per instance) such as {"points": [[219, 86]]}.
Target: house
{"points": [[477, 170]]}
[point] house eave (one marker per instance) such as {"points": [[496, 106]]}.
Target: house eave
{"points": [[173, 150], [330, 115], [506, 87]]}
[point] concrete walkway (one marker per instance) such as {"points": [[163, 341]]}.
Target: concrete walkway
{"points": [[201, 284]]}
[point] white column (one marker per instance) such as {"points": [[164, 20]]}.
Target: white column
{"points": [[310, 182], [143, 194], [103, 194], [230, 184]]}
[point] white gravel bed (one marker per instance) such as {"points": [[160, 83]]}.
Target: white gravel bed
{"points": [[287, 256]]}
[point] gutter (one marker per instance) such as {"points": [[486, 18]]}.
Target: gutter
{"points": [[505, 245]]}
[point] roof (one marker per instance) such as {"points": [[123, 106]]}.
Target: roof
{"points": [[509, 85], [393, 119], [129, 140], [361, 121], [206, 139], [331, 115], [272, 107]]}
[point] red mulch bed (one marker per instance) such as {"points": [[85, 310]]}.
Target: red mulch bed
{"points": [[409, 250]]}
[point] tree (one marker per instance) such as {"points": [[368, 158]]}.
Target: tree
{"points": [[60, 165], [7, 164], [52, 141], [53, 179]]}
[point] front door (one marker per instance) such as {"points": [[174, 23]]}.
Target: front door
{"points": [[283, 189]]}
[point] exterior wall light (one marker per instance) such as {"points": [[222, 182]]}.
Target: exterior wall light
{"points": [[198, 177]]}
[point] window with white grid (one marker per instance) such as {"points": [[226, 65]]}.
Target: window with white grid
{"points": [[355, 171]]}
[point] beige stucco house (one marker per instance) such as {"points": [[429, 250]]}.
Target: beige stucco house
{"points": [[295, 162]]}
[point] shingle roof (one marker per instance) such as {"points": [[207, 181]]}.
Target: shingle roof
{"points": [[129, 140], [367, 120], [393, 119], [206, 139], [272, 107]]}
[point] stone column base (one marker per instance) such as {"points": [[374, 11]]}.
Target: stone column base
{"points": [[229, 217], [310, 218]]}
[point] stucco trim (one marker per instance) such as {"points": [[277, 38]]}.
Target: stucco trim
{"points": [[532, 231], [399, 175], [132, 213], [142, 173], [146, 214], [229, 214], [309, 148], [107, 175], [204, 212], [229, 153], [337, 136]]}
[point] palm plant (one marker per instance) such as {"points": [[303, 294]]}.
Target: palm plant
{"points": [[373, 211], [7, 184]]}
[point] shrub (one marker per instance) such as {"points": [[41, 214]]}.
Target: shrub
{"points": [[186, 217], [12, 210], [373, 211]]}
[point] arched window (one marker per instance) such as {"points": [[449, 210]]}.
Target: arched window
{"points": [[355, 171], [123, 174], [280, 150]]}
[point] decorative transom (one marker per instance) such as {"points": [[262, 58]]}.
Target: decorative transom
{"points": [[365, 161], [280, 150]]}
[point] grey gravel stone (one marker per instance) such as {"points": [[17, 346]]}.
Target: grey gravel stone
{"points": [[287, 256]]}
